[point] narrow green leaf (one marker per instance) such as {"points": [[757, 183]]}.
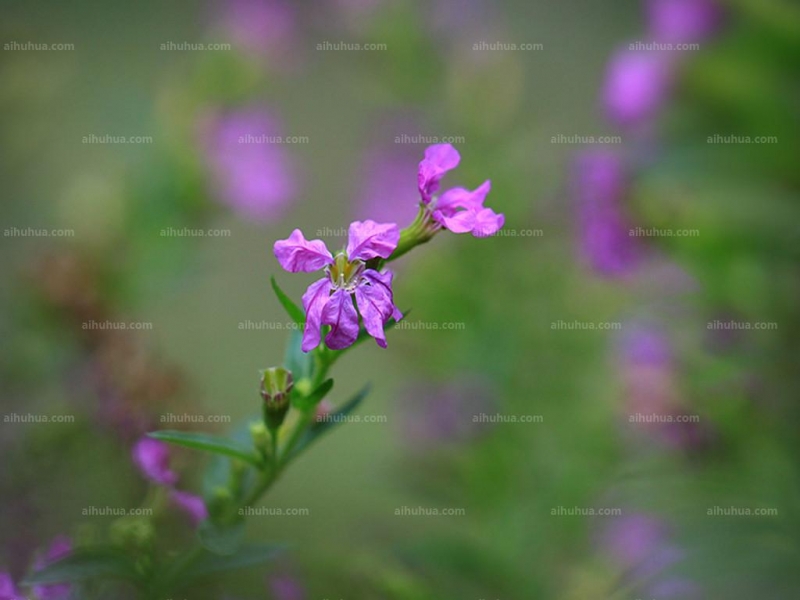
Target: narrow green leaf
{"points": [[209, 443], [221, 539], [306, 403], [247, 556], [89, 563], [320, 427], [295, 312]]}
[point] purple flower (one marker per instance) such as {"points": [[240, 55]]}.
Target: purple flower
{"points": [[682, 21], [7, 589], [329, 301], [259, 26], [643, 344], [637, 83], [458, 210], [59, 548], [192, 505], [605, 239], [286, 587], [633, 539], [252, 173], [152, 458]]}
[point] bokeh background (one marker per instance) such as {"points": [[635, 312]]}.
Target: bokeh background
{"points": [[628, 345]]}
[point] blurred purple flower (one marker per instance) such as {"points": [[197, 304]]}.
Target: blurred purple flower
{"points": [[152, 458], [7, 589], [194, 506], [438, 414], [631, 540], [251, 170], [682, 21], [258, 26], [286, 587], [59, 548], [636, 85], [605, 240], [386, 192], [642, 344]]}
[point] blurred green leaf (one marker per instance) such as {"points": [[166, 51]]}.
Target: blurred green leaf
{"points": [[300, 363], [209, 443], [221, 539], [306, 403], [246, 556], [85, 564], [295, 312]]}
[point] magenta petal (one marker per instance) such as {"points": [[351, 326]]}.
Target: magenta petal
{"points": [[192, 505], [439, 159], [637, 84], [152, 458], [297, 254], [462, 221], [314, 300], [60, 548], [368, 239], [7, 588], [462, 198], [487, 223], [376, 304], [341, 315]]}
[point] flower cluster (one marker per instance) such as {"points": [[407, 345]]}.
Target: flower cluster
{"points": [[353, 281]]}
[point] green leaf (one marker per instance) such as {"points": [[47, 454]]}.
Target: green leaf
{"points": [[295, 312], [209, 443], [300, 363], [221, 539], [306, 403], [88, 563], [321, 427], [247, 556]]}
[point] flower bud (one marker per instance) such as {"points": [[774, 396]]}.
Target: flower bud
{"points": [[276, 388]]}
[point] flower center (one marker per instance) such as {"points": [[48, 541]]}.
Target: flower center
{"points": [[344, 274]]}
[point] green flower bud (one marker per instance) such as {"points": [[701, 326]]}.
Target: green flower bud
{"points": [[276, 388]]}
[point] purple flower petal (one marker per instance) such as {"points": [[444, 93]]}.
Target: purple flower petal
{"points": [[341, 315], [439, 159], [368, 239], [375, 303], [487, 223], [455, 198], [152, 458], [314, 300], [7, 589], [462, 221], [637, 83], [59, 548], [683, 21], [297, 254], [192, 505]]}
